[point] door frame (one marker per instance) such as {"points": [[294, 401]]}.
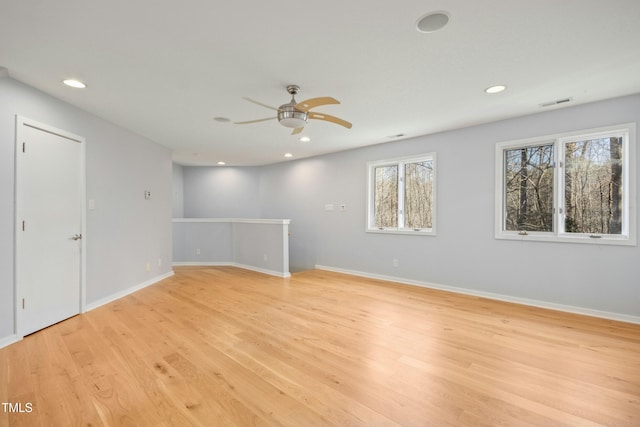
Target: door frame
{"points": [[21, 123]]}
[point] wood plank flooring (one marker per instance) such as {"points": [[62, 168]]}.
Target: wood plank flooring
{"points": [[228, 347]]}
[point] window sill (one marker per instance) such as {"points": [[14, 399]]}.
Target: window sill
{"points": [[409, 232], [580, 239]]}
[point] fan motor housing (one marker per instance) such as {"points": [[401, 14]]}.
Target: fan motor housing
{"points": [[289, 117]]}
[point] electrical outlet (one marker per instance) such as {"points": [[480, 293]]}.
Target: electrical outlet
{"points": [[197, 251], [265, 257], [395, 262], [148, 266], [159, 262]]}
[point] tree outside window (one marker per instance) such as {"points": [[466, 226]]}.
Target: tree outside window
{"points": [[593, 201]]}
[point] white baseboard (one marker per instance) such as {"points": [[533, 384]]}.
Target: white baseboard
{"points": [[9, 340], [507, 298], [125, 292], [262, 270], [200, 264], [234, 264]]}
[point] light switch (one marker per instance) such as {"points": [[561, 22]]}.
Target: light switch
{"points": [[92, 204]]}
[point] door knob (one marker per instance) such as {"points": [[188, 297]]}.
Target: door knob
{"points": [[76, 237]]}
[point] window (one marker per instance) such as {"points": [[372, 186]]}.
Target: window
{"points": [[529, 188], [572, 187], [402, 195]]}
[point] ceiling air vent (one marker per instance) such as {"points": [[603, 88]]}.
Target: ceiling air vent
{"points": [[558, 102]]}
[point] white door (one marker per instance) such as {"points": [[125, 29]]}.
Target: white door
{"points": [[49, 200]]}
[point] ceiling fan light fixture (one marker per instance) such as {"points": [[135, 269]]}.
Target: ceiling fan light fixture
{"points": [[292, 118], [295, 115]]}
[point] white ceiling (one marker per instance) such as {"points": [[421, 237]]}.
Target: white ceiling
{"points": [[164, 68]]}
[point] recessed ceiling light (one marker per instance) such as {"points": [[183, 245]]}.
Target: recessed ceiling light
{"points": [[221, 163], [432, 21], [222, 119], [305, 139], [495, 89], [74, 83], [288, 155]]}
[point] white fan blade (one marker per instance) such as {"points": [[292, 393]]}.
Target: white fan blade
{"points": [[254, 121], [260, 103]]}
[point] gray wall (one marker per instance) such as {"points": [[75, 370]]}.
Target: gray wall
{"points": [[221, 192], [125, 232], [203, 242], [465, 253], [178, 191], [252, 243]]}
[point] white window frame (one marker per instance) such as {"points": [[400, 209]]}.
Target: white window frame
{"points": [[400, 162], [629, 231]]}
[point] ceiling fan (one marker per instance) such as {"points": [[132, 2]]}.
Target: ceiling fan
{"points": [[296, 114]]}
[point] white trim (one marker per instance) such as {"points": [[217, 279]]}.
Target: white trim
{"points": [[285, 251], [11, 339], [125, 292], [499, 297], [262, 270], [400, 163], [202, 264], [83, 227], [236, 220], [233, 264], [407, 232], [261, 221], [21, 122]]}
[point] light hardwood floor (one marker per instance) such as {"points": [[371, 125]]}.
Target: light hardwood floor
{"points": [[224, 347]]}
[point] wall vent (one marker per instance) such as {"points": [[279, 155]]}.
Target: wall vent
{"points": [[558, 102]]}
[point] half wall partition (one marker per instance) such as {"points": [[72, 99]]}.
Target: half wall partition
{"points": [[255, 244]]}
